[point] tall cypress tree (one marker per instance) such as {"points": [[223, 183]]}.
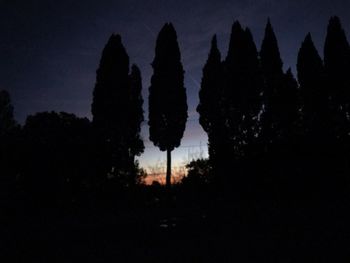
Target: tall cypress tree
{"points": [[252, 94], [210, 103], [314, 95], [167, 95], [317, 147], [280, 93], [272, 64], [242, 90], [337, 66], [117, 113], [232, 90], [210, 94]]}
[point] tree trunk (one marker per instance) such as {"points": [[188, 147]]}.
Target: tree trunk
{"points": [[168, 169]]}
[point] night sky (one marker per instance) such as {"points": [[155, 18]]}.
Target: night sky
{"points": [[50, 50]]}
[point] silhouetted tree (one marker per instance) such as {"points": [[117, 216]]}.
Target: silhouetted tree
{"points": [[117, 112], [279, 117], [242, 99], [273, 86], [210, 92], [337, 67], [314, 95], [210, 104], [315, 143], [281, 107], [167, 95]]}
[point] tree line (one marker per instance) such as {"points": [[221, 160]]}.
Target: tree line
{"points": [[269, 133]]}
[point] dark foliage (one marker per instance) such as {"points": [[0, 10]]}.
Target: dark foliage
{"points": [[198, 173], [167, 95], [56, 157]]}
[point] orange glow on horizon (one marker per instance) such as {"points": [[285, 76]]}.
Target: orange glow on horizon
{"points": [[160, 178]]}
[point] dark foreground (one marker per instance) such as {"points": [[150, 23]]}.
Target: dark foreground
{"points": [[184, 229]]}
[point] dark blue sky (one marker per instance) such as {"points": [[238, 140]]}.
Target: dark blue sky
{"points": [[50, 50]]}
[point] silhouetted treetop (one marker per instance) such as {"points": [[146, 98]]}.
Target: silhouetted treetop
{"points": [[242, 67], [337, 62], [270, 55], [310, 65], [111, 89], [109, 64], [336, 50], [167, 49], [235, 45], [312, 87], [210, 94]]}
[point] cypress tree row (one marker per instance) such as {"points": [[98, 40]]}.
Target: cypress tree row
{"points": [[167, 96], [245, 101], [117, 112]]}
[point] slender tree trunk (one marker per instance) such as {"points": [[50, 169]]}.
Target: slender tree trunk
{"points": [[168, 169]]}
